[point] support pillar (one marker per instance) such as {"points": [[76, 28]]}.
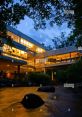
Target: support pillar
{"points": [[44, 70], [34, 65], [18, 70], [52, 75]]}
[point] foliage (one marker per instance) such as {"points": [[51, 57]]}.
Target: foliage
{"points": [[72, 74], [60, 42], [49, 47], [18, 80], [39, 78], [55, 11], [33, 78], [61, 76]]}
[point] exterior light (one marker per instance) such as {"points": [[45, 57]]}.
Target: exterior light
{"points": [[26, 73], [12, 60], [12, 85], [8, 65]]}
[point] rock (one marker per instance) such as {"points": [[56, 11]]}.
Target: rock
{"points": [[31, 101], [47, 89]]}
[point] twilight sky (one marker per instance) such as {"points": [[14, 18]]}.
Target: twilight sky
{"points": [[26, 26]]}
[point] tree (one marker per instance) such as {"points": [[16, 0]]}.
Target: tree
{"points": [[55, 11], [72, 74], [60, 42], [39, 78]]}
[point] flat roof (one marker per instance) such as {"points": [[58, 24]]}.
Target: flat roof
{"points": [[20, 34], [62, 51], [58, 51]]}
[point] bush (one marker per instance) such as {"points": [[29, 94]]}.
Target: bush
{"points": [[73, 74], [61, 76], [37, 78]]}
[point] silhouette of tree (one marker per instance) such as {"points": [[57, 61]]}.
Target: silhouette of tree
{"points": [[54, 11]]}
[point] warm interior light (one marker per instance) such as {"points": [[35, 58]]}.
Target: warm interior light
{"points": [[22, 41], [30, 45], [8, 65], [39, 50], [22, 52]]}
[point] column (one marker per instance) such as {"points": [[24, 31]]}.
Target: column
{"points": [[52, 75], [18, 70], [44, 70]]}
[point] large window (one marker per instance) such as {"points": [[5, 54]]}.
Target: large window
{"points": [[26, 43], [14, 51], [14, 37], [39, 50]]}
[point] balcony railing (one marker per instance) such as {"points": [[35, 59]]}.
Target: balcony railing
{"points": [[57, 62]]}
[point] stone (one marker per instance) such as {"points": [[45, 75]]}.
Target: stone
{"points": [[31, 101], [47, 89]]}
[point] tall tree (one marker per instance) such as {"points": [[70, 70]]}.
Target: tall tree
{"points": [[55, 11]]}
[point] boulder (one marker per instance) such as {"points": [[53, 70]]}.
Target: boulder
{"points": [[31, 101], [47, 89]]}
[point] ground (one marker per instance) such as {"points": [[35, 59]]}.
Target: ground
{"points": [[63, 103]]}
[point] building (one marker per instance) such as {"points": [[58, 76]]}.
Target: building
{"points": [[20, 57], [28, 55]]}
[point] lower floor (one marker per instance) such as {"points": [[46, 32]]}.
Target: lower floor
{"points": [[11, 67]]}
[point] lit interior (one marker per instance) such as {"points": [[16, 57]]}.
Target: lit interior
{"points": [[58, 59], [39, 50], [26, 43], [14, 51]]}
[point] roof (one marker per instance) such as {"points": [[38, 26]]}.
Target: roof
{"points": [[58, 51], [62, 51], [20, 34]]}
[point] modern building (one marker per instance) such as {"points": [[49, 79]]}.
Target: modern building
{"points": [[19, 57], [27, 55]]}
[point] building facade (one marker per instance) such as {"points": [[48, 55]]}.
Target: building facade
{"points": [[20, 57], [28, 55]]}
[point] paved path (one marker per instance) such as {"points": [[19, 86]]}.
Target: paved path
{"points": [[62, 103], [65, 103]]}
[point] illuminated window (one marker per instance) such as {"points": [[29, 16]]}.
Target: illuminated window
{"points": [[22, 41], [22, 52], [29, 45], [39, 50]]}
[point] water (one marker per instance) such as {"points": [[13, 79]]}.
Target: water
{"points": [[10, 105]]}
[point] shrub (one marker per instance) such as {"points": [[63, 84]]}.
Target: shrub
{"points": [[37, 78], [73, 74]]}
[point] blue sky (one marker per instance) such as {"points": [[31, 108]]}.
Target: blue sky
{"points": [[43, 36]]}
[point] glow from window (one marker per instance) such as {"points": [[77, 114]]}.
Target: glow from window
{"points": [[22, 52], [39, 50], [30, 45], [22, 41], [26, 43]]}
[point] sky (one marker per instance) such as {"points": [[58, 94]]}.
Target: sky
{"points": [[45, 36]]}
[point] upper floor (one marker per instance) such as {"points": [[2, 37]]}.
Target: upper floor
{"points": [[23, 47], [58, 57]]}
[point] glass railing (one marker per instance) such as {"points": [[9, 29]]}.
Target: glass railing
{"points": [[57, 62]]}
